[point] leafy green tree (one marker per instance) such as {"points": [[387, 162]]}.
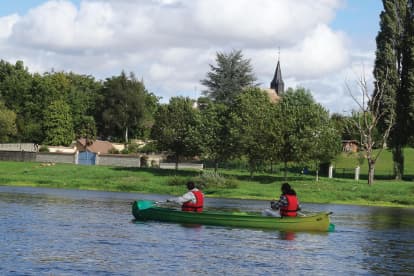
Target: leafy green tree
{"points": [[251, 126], [81, 98], [7, 123], [46, 89], [216, 143], [151, 105], [177, 128], [15, 91], [58, 124], [86, 128], [301, 130], [121, 106], [229, 77], [342, 126], [327, 139]]}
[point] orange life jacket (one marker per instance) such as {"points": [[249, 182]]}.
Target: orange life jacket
{"points": [[291, 209], [194, 207]]}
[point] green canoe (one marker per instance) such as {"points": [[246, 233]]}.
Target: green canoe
{"points": [[149, 210]]}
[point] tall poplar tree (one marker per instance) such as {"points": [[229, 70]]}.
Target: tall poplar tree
{"points": [[388, 74], [406, 96]]}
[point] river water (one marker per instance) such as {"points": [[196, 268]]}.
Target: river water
{"points": [[69, 232]]}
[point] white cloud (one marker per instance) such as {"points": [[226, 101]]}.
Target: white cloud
{"points": [[170, 43], [6, 25]]}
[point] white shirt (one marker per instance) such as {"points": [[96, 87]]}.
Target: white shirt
{"points": [[189, 196]]}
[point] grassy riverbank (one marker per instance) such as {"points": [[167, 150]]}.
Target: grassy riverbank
{"points": [[263, 186]]}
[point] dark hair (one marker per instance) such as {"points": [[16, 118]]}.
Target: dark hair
{"points": [[190, 185], [287, 190]]}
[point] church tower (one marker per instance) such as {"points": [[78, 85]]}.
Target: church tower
{"points": [[277, 83]]}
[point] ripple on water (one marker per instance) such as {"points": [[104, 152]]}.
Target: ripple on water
{"points": [[58, 232]]}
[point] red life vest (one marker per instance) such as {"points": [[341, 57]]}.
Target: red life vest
{"points": [[194, 207], [291, 209]]}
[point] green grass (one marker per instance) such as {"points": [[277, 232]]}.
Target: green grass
{"points": [[383, 167], [262, 186]]}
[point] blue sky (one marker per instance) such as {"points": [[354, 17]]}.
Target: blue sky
{"points": [[359, 19], [323, 43]]}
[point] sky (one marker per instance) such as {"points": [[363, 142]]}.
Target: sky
{"points": [[323, 45]]}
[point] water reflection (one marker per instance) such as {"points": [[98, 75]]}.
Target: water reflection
{"points": [[288, 236]]}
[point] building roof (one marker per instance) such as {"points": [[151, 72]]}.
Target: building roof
{"points": [[96, 146], [272, 94], [277, 83]]}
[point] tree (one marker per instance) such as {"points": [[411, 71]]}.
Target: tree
{"points": [[58, 124], [7, 123], [217, 144], [81, 98], [86, 128], [229, 77], [302, 128], [251, 126], [366, 119], [15, 91], [327, 142], [121, 106], [406, 96], [177, 128], [343, 127], [151, 106], [388, 74]]}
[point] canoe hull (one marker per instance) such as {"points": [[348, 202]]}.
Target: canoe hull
{"points": [[314, 222]]}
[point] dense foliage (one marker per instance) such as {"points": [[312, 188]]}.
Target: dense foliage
{"points": [[229, 77], [236, 120], [393, 73]]}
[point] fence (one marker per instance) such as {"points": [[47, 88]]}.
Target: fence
{"points": [[193, 166], [6, 155], [30, 147]]}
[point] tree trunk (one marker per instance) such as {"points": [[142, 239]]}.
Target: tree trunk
{"points": [[371, 172], [251, 168], [176, 162], [285, 171], [126, 135], [398, 158], [317, 175], [216, 163]]}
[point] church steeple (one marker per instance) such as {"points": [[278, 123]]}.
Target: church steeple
{"points": [[277, 83]]}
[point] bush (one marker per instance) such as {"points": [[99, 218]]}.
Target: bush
{"points": [[113, 151], [177, 181], [133, 148], [210, 179], [144, 161], [148, 148], [44, 149]]}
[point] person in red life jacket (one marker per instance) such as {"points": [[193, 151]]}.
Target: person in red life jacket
{"points": [[288, 203], [192, 201]]}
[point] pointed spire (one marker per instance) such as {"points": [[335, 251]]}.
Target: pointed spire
{"points": [[277, 83]]}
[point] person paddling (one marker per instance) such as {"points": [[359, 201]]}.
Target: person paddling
{"points": [[288, 203], [192, 201]]}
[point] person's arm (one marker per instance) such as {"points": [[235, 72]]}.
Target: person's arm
{"points": [[189, 196], [282, 202]]}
